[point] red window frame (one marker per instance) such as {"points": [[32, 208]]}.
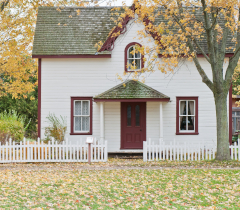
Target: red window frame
{"points": [[72, 115], [125, 56], [195, 98]]}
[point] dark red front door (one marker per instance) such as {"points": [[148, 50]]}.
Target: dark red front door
{"points": [[133, 125]]}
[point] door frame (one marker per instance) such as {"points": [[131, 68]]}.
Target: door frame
{"points": [[122, 125]]}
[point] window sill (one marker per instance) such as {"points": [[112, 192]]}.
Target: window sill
{"points": [[182, 133], [80, 133], [138, 70]]}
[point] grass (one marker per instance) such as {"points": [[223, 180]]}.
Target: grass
{"points": [[63, 186]]}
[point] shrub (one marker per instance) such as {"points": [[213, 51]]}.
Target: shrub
{"points": [[57, 128], [12, 125]]}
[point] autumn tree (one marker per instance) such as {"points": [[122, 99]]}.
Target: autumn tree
{"points": [[188, 23], [18, 19]]}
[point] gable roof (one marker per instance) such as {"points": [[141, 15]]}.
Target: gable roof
{"points": [[78, 34], [131, 90], [75, 35]]}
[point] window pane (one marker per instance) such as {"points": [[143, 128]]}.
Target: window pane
{"points": [[85, 123], [130, 63], [191, 108], [182, 107], [137, 55], [78, 108], [130, 54], [85, 108], [137, 64], [77, 123], [182, 123], [190, 123], [129, 115], [137, 110]]}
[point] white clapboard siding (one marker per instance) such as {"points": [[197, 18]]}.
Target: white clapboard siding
{"points": [[179, 152], [67, 77], [52, 152]]}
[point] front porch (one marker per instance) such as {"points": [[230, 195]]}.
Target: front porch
{"points": [[130, 110]]}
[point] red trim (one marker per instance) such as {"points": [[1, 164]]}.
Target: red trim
{"points": [[133, 100], [227, 55], [125, 56], [230, 114], [156, 36], [72, 56], [109, 43], [39, 96], [196, 115], [72, 118]]}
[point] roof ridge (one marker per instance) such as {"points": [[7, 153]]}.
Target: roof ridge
{"points": [[138, 92], [150, 88], [111, 89]]}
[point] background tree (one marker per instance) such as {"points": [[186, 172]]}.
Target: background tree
{"points": [[18, 19], [18, 71], [186, 23]]}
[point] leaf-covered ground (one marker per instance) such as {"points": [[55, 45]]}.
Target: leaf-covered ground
{"points": [[121, 184]]}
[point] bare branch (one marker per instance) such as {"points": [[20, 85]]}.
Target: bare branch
{"points": [[209, 34]]}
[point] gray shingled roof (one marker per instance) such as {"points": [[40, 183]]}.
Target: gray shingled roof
{"points": [[203, 43], [131, 90], [79, 34]]}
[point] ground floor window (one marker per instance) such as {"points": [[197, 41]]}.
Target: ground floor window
{"points": [[235, 124], [187, 115], [81, 115]]}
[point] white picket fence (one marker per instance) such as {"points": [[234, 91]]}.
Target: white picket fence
{"points": [[235, 151], [176, 151], [52, 152]]}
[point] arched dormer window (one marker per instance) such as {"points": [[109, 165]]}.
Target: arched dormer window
{"points": [[133, 59]]}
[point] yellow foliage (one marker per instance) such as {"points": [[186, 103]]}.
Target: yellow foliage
{"points": [[18, 20]]}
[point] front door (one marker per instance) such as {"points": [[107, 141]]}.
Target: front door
{"points": [[133, 125]]}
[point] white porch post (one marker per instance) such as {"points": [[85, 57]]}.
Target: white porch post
{"points": [[102, 121], [161, 122]]}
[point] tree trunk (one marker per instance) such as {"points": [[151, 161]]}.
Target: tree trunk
{"points": [[223, 152]]}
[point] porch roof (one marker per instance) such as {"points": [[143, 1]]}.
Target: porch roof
{"points": [[131, 91]]}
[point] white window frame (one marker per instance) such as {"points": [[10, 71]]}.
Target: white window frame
{"points": [[89, 115], [133, 59], [187, 131]]}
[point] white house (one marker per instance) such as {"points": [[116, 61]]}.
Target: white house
{"points": [[80, 83]]}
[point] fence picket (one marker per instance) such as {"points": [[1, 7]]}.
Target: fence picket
{"points": [[53, 151], [10, 149], [186, 151], [238, 150]]}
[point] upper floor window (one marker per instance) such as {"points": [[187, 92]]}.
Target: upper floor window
{"points": [[133, 58], [187, 115]]}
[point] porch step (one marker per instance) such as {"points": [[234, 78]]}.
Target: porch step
{"points": [[126, 156]]}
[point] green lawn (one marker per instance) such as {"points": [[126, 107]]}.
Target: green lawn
{"points": [[54, 187]]}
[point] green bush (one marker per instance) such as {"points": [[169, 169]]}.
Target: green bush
{"points": [[57, 128], [12, 126], [23, 106]]}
